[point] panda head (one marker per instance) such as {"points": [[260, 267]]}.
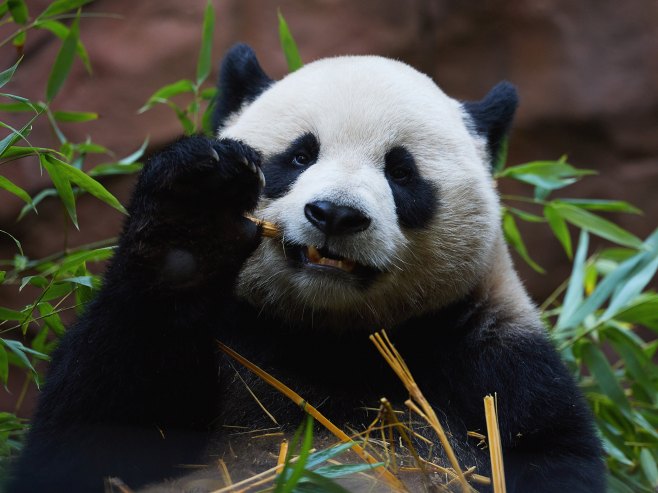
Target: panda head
{"points": [[380, 183]]}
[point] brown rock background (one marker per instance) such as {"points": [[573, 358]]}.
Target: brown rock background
{"points": [[587, 74]]}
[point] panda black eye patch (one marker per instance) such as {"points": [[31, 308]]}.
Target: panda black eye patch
{"points": [[282, 169], [415, 197]]}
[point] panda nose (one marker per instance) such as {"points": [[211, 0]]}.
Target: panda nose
{"points": [[333, 219]]}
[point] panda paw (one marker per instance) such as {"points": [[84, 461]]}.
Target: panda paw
{"points": [[199, 171]]}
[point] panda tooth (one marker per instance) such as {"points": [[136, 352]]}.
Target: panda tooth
{"points": [[313, 254]]}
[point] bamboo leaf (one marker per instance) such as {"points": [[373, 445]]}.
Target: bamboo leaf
{"points": [[62, 185], [64, 60], [288, 45], [559, 227], [6, 75], [9, 314], [15, 189], [130, 159], [61, 31], [513, 237], [574, 295], [204, 62], [315, 483], [604, 376], [86, 182], [342, 470], [4, 365], [596, 225], [74, 116], [602, 205], [18, 10], [61, 6], [317, 458], [168, 91], [648, 463], [631, 288]]}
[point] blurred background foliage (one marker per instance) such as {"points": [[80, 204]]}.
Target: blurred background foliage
{"points": [[603, 318]]}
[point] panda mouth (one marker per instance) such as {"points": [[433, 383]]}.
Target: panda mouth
{"points": [[324, 258]]}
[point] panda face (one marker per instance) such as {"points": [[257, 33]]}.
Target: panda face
{"points": [[381, 191]]}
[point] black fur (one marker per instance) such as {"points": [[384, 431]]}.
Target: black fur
{"points": [[493, 115], [281, 170], [241, 80], [415, 197]]}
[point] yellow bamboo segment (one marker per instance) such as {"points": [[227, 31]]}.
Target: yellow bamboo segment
{"points": [[269, 229], [283, 451], [317, 415], [495, 448]]}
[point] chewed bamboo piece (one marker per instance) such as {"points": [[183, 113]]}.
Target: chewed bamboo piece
{"points": [[423, 409], [269, 229], [495, 448]]}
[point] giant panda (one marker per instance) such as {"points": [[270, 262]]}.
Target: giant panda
{"points": [[382, 189]]}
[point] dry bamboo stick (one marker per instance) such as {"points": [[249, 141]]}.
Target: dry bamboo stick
{"points": [[317, 415], [495, 448]]}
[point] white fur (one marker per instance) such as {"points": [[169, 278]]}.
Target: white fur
{"points": [[359, 108]]}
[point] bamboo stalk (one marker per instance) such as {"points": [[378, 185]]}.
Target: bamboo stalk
{"points": [[495, 448], [269, 229], [423, 409], [317, 415]]}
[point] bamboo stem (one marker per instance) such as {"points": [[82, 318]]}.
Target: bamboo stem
{"points": [[495, 448]]}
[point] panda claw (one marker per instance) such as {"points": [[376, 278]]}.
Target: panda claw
{"points": [[249, 164], [214, 154], [261, 179]]}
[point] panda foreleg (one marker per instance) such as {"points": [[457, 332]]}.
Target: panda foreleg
{"points": [[133, 387]]}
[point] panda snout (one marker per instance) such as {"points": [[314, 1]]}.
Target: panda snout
{"points": [[333, 219]]}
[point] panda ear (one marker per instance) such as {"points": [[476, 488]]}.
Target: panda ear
{"points": [[492, 116], [241, 80]]}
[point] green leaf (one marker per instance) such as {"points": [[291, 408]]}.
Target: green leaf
{"points": [[4, 365], [12, 138], [634, 358], [19, 41], [559, 227], [86, 182], [74, 116], [315, 483], [18, 11], [291, 474], [546, 175], [62, 185], [603, 205], [513, 237], [288, 45], [643, 311], [342, 470], [15, 152], [600, 369], [64, 60], [61, 6], [203, 64], [38, 198], [501, 160], [135, 155], [61, 31], [317, 458], [9, 314], [3, 275], [109, 169], [616, 485], [596, 225], [168, 91], [648, 463], [631, 288], [15, 189], [6, 75], [526, 216], [16, 242], [81, 280]]}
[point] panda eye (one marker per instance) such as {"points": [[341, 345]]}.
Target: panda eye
{"points": [[400, 174], [301, 159], [400, 166]]}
